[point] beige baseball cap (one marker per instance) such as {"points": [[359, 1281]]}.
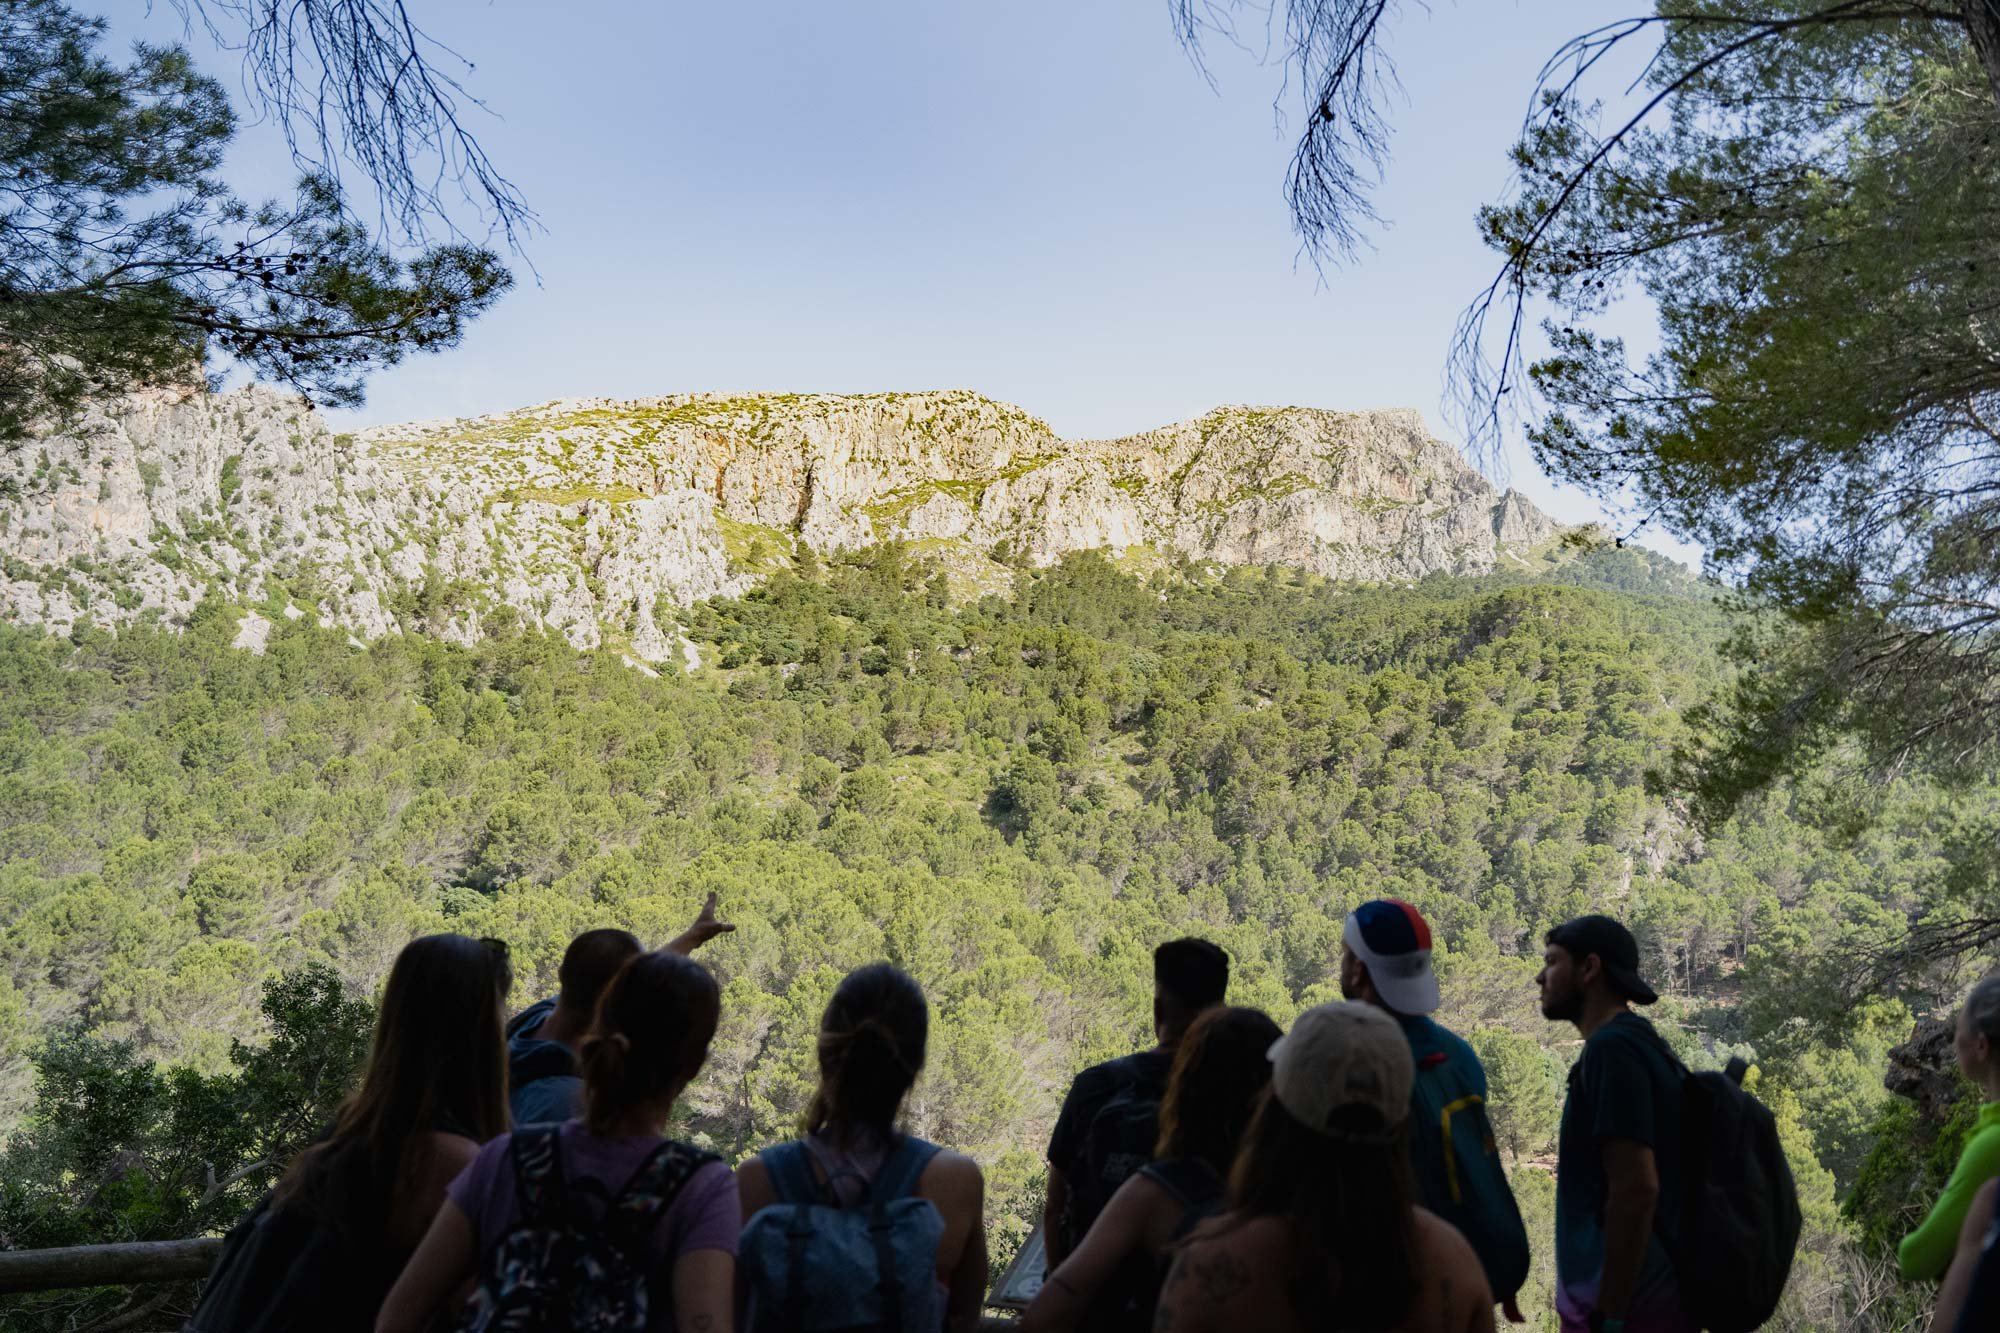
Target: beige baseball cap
{"points": [[1340, 1055]]}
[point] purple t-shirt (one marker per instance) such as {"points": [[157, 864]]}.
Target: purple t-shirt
{"points": [[706, 1215]]}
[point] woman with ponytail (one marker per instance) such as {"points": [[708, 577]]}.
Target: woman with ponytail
{"points": [[601, 1221], [859, 1224]]}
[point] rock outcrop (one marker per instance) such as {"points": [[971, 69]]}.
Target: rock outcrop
{"points": [[602, 519]]}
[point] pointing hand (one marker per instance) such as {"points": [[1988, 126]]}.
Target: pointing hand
{"points": [[705, 928]]}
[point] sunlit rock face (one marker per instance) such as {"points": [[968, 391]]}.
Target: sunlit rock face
{"points": [[602, 519]]}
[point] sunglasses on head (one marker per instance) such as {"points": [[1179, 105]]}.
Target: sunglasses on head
{"points": [[503, 965]]}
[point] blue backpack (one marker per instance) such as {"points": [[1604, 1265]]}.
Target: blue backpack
{"points": [[1459, 1175], [561, 1269], [813, 1266]]}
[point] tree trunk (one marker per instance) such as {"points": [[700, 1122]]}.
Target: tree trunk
{"points": [[1982, 20]]}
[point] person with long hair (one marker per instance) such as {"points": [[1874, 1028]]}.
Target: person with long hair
{"points": [[323, 1250], [1322, 1231], [871, 1048], [1112, 1280], [602, 1211]]}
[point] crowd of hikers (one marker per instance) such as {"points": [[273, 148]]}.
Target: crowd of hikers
{"points": [[517, 1176]]}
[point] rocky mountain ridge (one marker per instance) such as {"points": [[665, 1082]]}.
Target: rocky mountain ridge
{"points": [[604, 519]]}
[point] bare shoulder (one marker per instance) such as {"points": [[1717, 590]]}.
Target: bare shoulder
{"points": [[451, 1154], [753, 1186], [1450, 1257], [1224, 1257], [1441, 1238], [953, 1175]]}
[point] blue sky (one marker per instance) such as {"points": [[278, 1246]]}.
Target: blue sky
{"points": [[1041, 200]]}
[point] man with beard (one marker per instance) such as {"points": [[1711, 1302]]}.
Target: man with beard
{"points": [[1618, 1175]]}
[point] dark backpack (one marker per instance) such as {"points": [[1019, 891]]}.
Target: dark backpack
{"points": [[561, 1269], [1458, 1169], [1739, 1209], [283, 1269], [811, 1265], [1127, 1301], [1194, 1185], [1117, 1142]]}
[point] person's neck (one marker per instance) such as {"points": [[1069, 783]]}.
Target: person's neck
{"points": [[641, 1123], [564, 1027], [1599, 1010], [1369, 995], [1989, 1084], [646, 1120]]}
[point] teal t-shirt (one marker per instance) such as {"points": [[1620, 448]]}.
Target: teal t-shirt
{"points": [[1623, 1086]]}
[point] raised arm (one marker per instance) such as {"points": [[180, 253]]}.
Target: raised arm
{"points": [[705, 928]]}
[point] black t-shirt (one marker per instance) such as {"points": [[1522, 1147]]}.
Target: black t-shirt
{"points": [[1624, 1086], [1982, 1301], [1093, 1088]]}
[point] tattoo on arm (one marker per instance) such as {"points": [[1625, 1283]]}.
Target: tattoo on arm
{"points": [[1221, 1279]]}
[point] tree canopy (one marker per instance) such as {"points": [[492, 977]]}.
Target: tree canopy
{"points": [[1014, 800], [126, 261], [1808, 194]]}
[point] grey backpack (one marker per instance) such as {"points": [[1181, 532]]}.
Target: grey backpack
{"points": [[814, 1266]]}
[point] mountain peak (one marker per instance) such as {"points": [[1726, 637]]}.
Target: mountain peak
{"points": [[599, 517]]}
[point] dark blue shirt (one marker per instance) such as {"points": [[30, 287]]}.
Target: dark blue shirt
{"points": [[536, 1095]]}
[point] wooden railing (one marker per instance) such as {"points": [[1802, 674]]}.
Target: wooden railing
{"points": [[141, 1262], [125, 1265]]}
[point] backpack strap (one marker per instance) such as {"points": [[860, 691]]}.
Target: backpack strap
{"points": [[789, 1167], [1191, 1181], [652, 1189], [1651, 1035], [897, 1178], [901, 1169], [536, 1152]]}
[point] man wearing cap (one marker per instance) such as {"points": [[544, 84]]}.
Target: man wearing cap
{"points": [[1385, 961], [1619, 1152]]}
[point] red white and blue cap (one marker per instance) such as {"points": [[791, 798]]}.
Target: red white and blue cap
{"points": [[1394, 941]]}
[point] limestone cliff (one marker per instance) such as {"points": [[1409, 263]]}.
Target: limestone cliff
{"points": [[601, 519]]}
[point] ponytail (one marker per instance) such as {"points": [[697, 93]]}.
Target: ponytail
{"points": [[871, 1049]]}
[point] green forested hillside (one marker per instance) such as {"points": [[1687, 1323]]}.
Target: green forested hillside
{"points": [[1014, 800]]}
